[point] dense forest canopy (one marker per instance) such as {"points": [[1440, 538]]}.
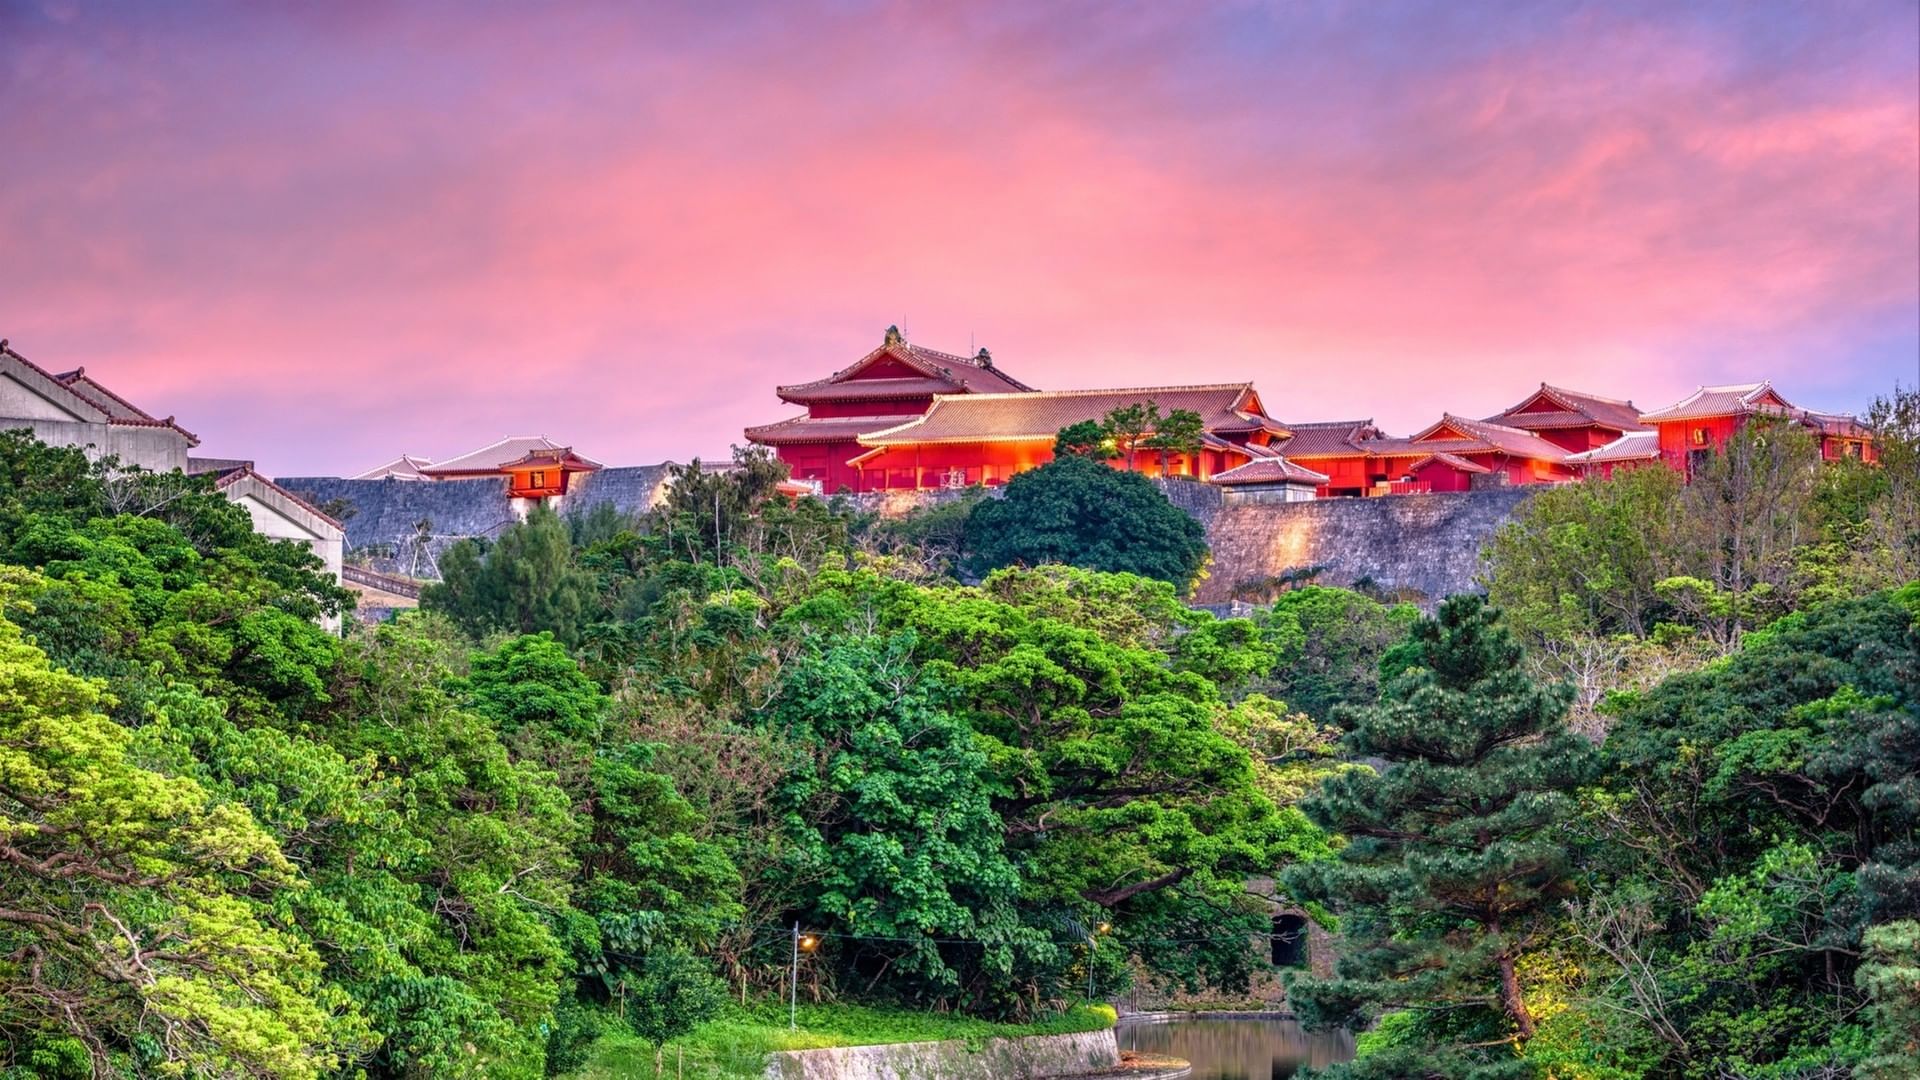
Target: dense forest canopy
{"points": [[1648, 811]]}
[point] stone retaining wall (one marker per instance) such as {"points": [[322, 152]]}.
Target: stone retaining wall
{"points": [[387, 512], [1426, 546], [1035, 1057]]}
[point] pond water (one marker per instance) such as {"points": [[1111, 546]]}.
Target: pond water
{"points": [[1237, 1048]]}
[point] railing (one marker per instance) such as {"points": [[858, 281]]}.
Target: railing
{"points": [[1408, 487], [388, 583]]}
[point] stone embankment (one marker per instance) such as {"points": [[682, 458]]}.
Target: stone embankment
{"points": [[410, 522], [1425, 547], [1083, 1056]]}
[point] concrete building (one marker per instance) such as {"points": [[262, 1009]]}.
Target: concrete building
{"points": [[73, 409]]}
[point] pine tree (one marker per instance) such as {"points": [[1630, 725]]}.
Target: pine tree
{"points": [[1456, 856]]}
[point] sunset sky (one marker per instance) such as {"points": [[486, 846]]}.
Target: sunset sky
{"points": [[322, 237]]}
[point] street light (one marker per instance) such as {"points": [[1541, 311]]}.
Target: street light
{"points": [[800, 941]]}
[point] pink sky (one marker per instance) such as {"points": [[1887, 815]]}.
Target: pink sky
{"points": [[322, 239]]}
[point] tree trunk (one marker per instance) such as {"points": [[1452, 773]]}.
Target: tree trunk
{"points": [[1510, 997]]}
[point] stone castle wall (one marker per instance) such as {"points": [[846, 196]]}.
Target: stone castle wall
{"points": [[1426, 546], [387, 513]]}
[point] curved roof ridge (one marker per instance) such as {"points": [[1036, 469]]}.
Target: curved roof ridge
{"points": [[1197, 387], [1368, 422], [1446, 417], [1550, 388]]}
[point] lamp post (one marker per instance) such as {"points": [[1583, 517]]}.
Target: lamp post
{"points": [[800, 941], [1093, 943]]}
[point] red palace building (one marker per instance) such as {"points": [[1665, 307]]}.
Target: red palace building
{"points": [[1704, 420], [1445, 456], [968, 439], [908, 418], [890, 385]]}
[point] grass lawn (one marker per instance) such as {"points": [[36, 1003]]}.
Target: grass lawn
{"points": [[737, 1044]]}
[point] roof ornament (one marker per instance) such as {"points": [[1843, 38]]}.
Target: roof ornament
{"points": [[892, 338], [983, 358]]}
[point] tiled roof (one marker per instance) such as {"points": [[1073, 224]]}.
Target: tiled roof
{"points": [[1741, 399], [1250, 449], [404, 467], [1329, 438], [90, 395], [807, 429], [872, 389], [491, 457], [1574, 408], [113, 404], [1452, 460], [1838, 424], [1633, 446], [1490, 436], [233, 476], [964, 418], [957, 374], [132, 421], [1272, 470], [562, 458]]}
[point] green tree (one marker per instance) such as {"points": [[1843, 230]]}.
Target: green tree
{"points": [[1079, 512], [1743, 514], [736, 517], [1085, 438], [929, 540], [651, 881], [1178, 432], [1125, 793], [37, 479], [1455, 858], [1328, 644], [1890, 975], [484, 848], [540, 701], [1126, 427], [524, 582], [1759, 816], [137, 911], [675, 993], [894, 822], [1868, 511], [1584, 559]]}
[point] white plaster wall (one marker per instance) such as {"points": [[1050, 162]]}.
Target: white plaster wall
{"points": [[271, 523], [1268, 493], [161, 449]]}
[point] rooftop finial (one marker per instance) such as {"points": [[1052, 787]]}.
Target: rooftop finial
{"points": [[983, 358], [893, 337]]}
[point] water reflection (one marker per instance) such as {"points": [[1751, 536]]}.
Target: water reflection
{"points": [[1238, 1049]]}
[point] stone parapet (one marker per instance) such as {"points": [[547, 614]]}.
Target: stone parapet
{"points": [[1034, 1057]]}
